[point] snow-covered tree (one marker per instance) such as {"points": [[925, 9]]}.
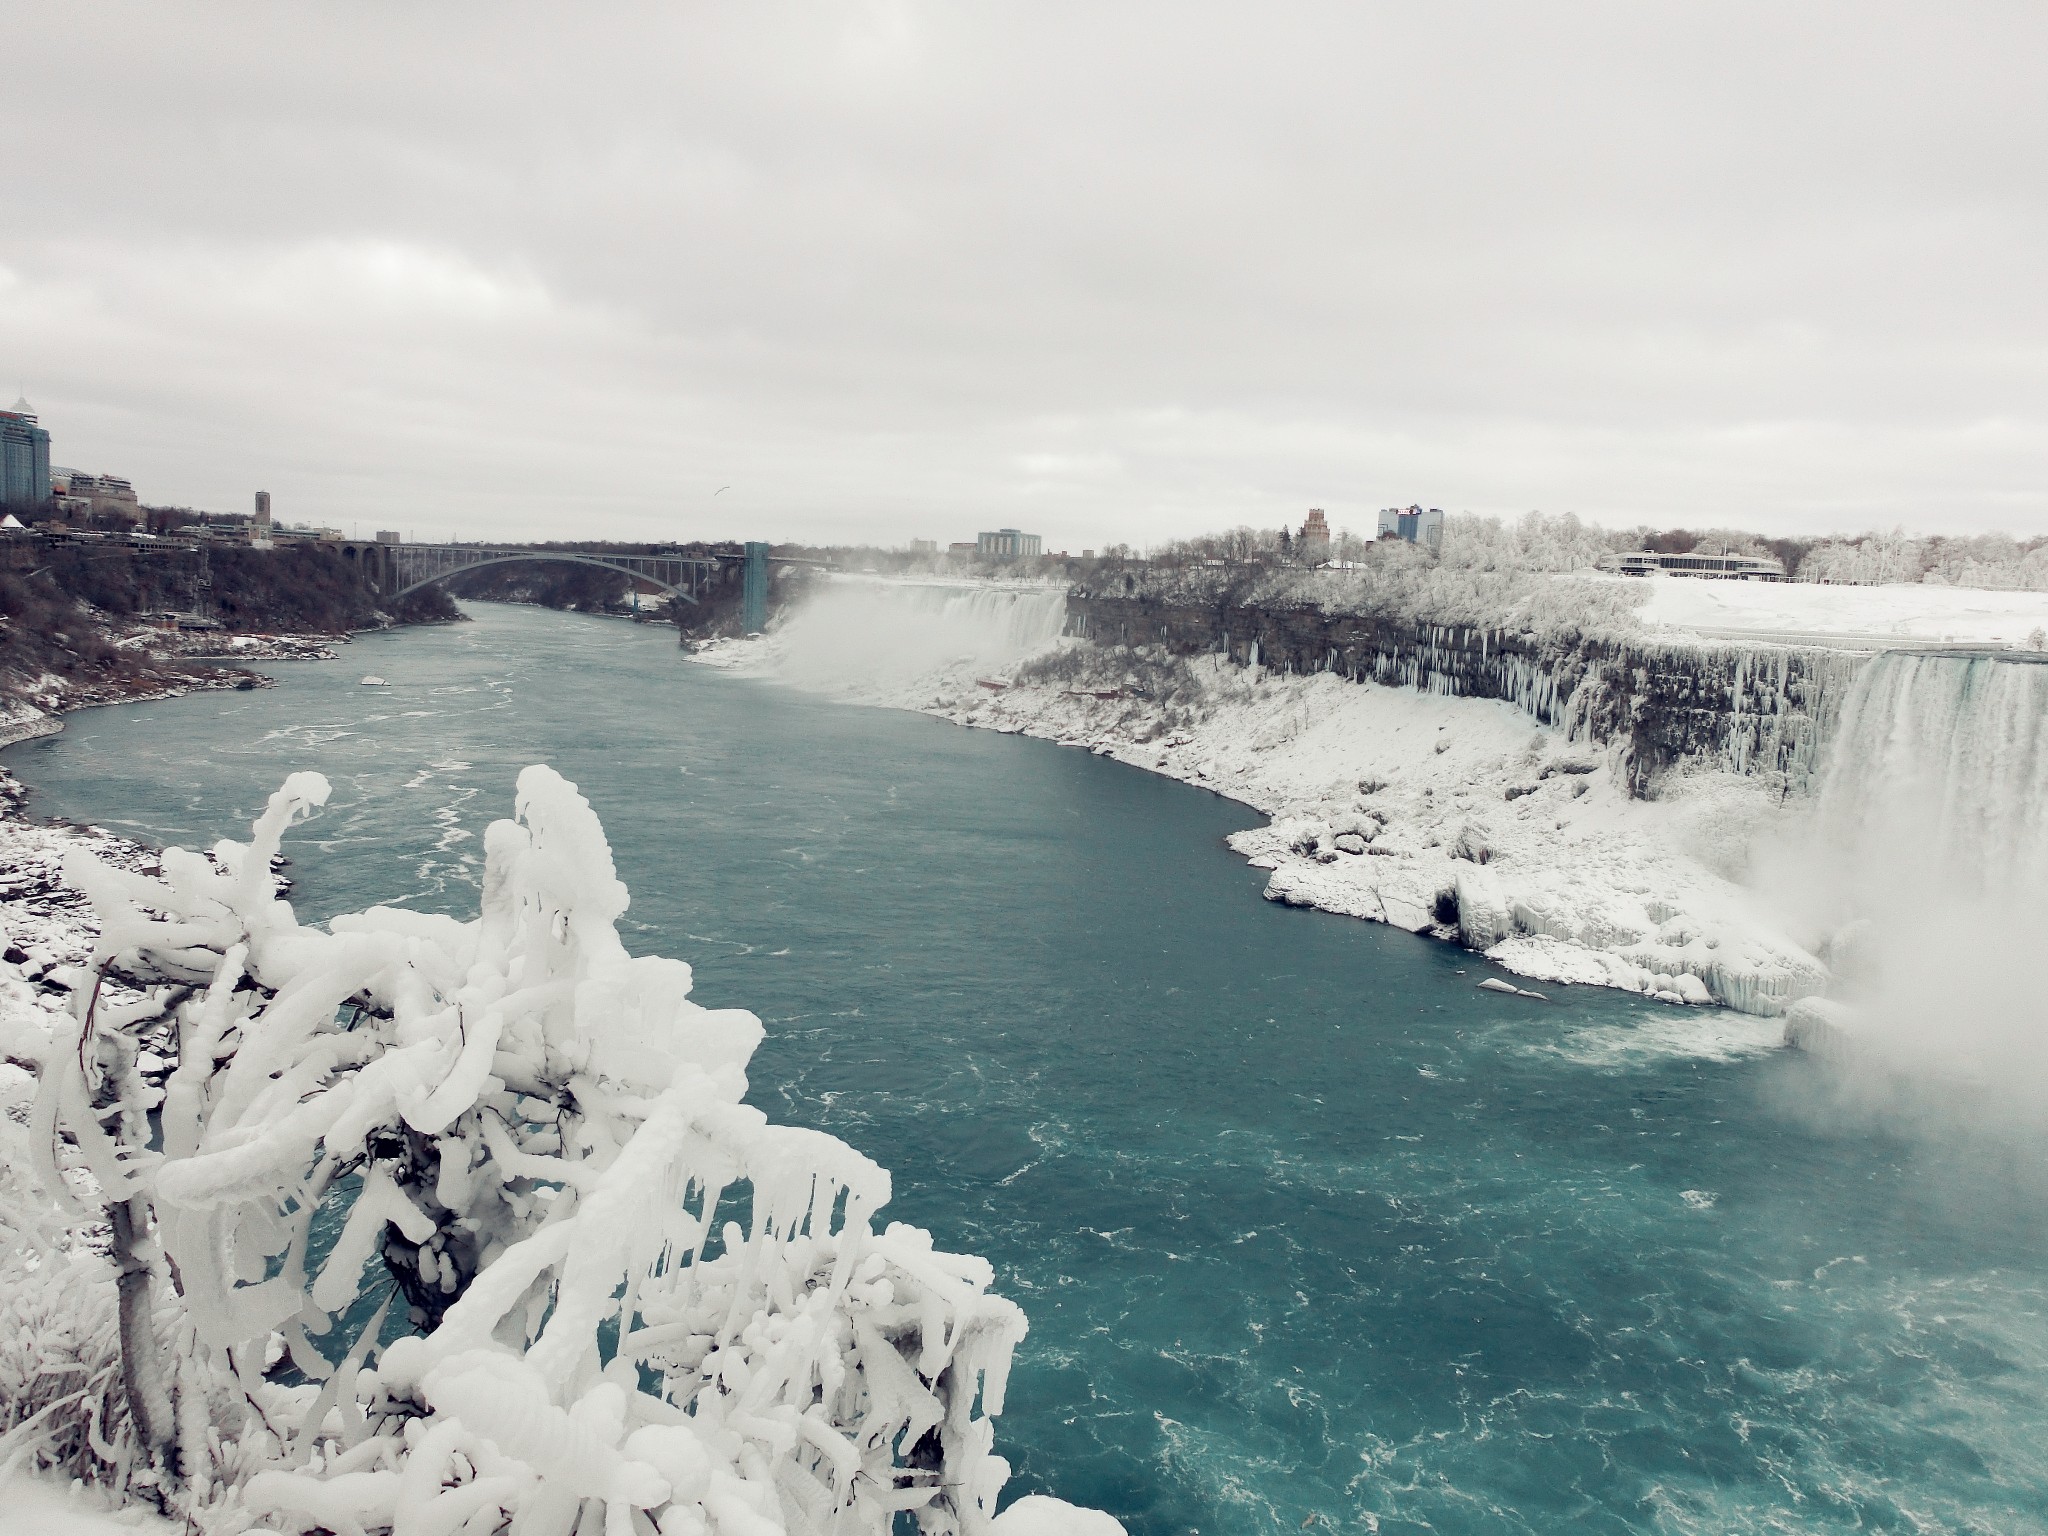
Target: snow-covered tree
{"points": [[630, 1302]]}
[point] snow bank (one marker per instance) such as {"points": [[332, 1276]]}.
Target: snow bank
{"points": [[33, 1506], [1889, 615], [1456, 817]]}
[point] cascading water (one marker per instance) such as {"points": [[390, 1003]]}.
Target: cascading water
{"points": [[1940, 769], [878, 637], [1930, 871]]}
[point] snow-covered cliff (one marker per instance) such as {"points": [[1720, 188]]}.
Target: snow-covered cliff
{"points": [[1746, 708]]}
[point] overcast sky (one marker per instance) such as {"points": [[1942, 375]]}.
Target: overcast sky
{"points": [[1107, 271]]}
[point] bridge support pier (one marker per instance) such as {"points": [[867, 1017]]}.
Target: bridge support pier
{"points": [[754, 596]]}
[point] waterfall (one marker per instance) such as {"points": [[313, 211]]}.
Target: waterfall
{"points": [[1928, 875], [1938, 776], [873, 637]]}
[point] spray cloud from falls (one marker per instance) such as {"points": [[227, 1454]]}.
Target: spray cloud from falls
{"points": [[1928, 868], [880, 640]]}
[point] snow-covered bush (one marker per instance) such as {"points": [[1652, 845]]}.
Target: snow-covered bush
{"points": [[61, 1398], [632, 1302]]}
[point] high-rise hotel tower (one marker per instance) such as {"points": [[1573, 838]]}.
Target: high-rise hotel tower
{"points": [[24, 459]]}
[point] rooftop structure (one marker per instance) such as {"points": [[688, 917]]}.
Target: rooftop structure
{"points": [[1714, 567]]}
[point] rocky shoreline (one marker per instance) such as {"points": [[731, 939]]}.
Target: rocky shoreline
{"points": [[47, 927], [32, 707]]}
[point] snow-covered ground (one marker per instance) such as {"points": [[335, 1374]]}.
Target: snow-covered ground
{"points": [[1878, 616], [1460, 817], [35, 1506]]}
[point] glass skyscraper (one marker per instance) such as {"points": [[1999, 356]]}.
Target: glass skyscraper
{"points": [[24, 459]]}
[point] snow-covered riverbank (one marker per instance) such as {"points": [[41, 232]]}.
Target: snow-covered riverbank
{"points": [[1458, 817], [46, 925]]}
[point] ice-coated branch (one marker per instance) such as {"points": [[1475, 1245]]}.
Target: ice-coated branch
{"points": [[632, 1299]]}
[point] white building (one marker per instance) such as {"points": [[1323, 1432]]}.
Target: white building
{"points": [[1714, 567]]}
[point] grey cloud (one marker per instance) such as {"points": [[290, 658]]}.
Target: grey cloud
{"points": [[1115, 272]]}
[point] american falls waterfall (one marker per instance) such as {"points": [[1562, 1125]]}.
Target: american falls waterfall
{"points": [[1940, 767], [881, 638], [1930, 866]]}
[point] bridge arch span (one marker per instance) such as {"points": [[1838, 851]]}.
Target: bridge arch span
{"points": [[559, 557]]}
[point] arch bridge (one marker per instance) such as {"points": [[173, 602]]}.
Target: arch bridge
{"points": [[394, 570]]}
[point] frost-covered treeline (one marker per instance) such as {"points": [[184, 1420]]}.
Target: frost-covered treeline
{"points": [[1490, 572], [1994, 561], [626, 1302], [1538, 543]]}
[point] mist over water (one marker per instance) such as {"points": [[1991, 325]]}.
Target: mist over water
{"points": [[1307, 1227], [874, 637]]}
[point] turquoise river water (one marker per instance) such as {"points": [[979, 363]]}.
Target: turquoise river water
{"points": [[1310, 1232]]}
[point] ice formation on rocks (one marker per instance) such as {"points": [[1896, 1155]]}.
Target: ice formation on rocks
{"points": [[638, 1305]]}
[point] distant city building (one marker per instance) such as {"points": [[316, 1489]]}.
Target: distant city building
{"points": [[79, 494], [259, 525], [1312, 544], [1006, 544], [24, 458], [387, 536], [1714, 567], [960, 549], [924, 546], [1414, 525]]}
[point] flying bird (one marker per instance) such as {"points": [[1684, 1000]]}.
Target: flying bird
{"points": [[721, 490]]}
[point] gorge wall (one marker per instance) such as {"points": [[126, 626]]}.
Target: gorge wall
{"points": [[1754, 710]]}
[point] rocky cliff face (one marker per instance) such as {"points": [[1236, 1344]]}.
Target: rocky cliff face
{"points": [[1753, 710]]}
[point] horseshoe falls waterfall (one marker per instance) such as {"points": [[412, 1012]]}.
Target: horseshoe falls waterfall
{"points": [[1941, 761], [1930, 861]]}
